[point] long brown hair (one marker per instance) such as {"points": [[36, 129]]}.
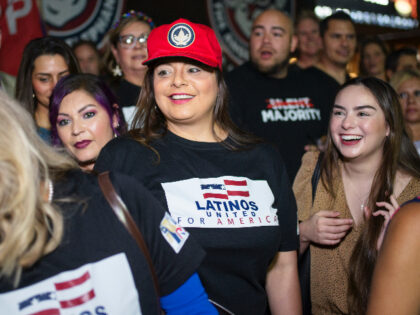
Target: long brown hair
{"points": [[149, 123], [399, 153], [49, 46]]}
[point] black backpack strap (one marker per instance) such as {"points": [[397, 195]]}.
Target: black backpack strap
{"points": [[316, 175]]}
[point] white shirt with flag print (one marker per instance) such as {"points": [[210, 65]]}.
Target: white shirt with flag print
{"points": [[221, 202], [89, 289]]}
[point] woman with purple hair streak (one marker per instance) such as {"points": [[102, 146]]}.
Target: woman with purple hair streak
{"points": [[84, 116]]}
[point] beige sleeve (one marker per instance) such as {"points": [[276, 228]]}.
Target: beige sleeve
{"points": [[302, 186]]}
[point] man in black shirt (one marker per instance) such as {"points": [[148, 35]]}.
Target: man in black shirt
{"points": [[289, 109]]}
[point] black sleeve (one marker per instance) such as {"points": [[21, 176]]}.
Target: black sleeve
{"points": [[125, 155], [107, 160], [234, 106], [286, 205], [175, 254]]}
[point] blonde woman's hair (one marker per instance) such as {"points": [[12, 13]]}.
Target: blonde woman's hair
{"points": [[30, 226], [403, 75]]}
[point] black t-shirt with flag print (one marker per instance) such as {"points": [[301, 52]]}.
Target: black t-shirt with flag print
{"points": [[238, 205], [98, 268]]}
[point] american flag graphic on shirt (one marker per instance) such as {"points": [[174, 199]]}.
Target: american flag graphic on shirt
{"points": [[71, 293], [88, 289], [223, 191]]}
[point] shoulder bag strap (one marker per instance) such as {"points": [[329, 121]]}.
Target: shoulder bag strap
{"points": [[120, 210], [305, 259], [316, 175]]}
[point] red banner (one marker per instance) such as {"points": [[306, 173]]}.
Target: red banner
{"points": [[20, 22]]}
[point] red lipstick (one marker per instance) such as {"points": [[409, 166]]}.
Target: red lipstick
{"points": [[82, 144]]}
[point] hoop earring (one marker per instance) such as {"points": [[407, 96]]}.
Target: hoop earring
{"points": [[116, 71]]}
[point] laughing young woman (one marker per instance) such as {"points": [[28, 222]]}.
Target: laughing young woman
{"points": [[230, 192], [370, 166]]}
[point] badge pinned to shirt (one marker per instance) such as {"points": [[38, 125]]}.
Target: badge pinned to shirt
{"points": [[173, 233]]}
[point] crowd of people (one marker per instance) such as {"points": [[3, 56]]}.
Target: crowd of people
{"points": [[232, 181]]}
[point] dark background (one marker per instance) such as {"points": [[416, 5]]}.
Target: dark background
{"points": [[166, 11]]}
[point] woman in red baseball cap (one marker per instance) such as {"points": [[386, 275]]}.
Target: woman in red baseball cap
{"points": [[229, 190]]}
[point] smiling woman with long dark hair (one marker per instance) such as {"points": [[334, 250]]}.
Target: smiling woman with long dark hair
{"points": [[229, 191], [369, 167]]}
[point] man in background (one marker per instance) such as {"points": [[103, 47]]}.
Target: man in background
{"points": [[309, 45], [404, 58], [338, 35], [288, 109]]}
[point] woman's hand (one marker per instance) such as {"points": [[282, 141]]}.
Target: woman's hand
{"points": [[324, 227], [387, 213]]}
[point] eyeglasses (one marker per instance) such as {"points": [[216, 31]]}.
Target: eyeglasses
{"points": [[405, 95], [129, 41]]}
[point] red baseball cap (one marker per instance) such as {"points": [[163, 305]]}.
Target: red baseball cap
{"points": [[183, 38]]}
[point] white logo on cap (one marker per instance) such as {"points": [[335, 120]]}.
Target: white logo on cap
{"points": [[181, 35]]}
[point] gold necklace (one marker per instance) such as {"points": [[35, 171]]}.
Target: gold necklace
{"points": [[362, 206], [363, 198]]}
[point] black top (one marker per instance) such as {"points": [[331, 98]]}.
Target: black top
{"points": [[238, 205], [127, 95], [98, 267], [323, 75], [290, 112]]}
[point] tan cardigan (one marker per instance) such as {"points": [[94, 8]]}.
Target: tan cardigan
{"points": [[329, 264]]}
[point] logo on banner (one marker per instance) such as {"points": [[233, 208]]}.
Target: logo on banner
{"points": [[232, 21], [290, 109], [225, 202], [20, 22], [76, 20]]}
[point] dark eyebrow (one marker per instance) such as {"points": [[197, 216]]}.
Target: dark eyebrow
{"points": [[276, 28], [365, 107], [49, 74], [257, 26], [80, 110], [361, 107], [85, 107]]}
